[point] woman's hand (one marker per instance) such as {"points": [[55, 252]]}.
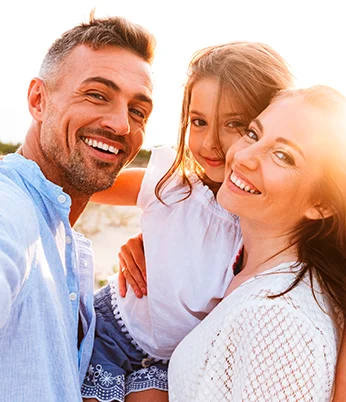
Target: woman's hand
{"points": [[132, 267]]}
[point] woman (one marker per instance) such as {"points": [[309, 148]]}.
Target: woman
{"points": [[276, 334]]}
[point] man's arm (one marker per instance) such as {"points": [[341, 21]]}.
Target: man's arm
{"points": [[12, 262], [18, 232]]}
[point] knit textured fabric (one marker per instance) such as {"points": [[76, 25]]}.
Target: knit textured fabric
{"points": [[252, 348]]}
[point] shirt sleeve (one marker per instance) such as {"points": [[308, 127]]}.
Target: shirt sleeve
{"points": [[17, 221], [160, 161], [269, 352]]}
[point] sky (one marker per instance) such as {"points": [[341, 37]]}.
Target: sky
{"points": [[309, 34]]}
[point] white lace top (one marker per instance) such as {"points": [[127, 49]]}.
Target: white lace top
{"points": [[190, 247], [251, 348]]}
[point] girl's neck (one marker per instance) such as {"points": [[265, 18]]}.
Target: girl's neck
{"points": [[214, 186]]}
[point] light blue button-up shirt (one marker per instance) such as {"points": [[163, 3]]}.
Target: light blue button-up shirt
{"points": [[46, 283]]}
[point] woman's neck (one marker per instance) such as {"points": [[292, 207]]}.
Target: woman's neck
{"points": [[264, 247]]}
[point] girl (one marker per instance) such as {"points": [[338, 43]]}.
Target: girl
{"points": [[276, 334], [190, 241]]}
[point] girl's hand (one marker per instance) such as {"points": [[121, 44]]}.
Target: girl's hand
{"points": [[132, 267]]}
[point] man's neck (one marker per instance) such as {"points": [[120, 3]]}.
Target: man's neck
{"points": [[77, 207], [78, 202]]}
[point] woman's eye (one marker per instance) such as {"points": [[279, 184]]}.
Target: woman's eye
{"points": [[251, 134], [198, 122], [285, 157]]}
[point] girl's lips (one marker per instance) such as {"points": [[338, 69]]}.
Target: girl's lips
{"points": [[214, 162]]}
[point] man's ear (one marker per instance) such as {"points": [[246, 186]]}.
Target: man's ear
{"points": [[36, 98], [318, 212]]}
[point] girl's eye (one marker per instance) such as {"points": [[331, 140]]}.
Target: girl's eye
{"points": [[235, 124], [198, 122], [284, 157], [251, 134]]}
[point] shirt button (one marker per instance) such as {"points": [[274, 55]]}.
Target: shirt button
{"points": [[61, 198], [68, 239], [73, 296]]}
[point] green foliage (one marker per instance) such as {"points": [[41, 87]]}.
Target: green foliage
{"points": [[142, 158], [8, 148]]}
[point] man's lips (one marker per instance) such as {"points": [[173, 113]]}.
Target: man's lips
{"points": [[101, 145]]}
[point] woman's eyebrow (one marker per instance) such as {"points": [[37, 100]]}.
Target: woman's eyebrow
{"points": [[282, 140]]}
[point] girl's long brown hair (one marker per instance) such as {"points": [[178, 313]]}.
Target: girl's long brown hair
{"points": [[251, 73]]}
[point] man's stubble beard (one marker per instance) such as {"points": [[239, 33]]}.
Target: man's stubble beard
{"points": [[75, 176]]}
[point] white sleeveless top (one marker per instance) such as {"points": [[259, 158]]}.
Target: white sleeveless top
{"points": [[189, 247], [251, 348]]}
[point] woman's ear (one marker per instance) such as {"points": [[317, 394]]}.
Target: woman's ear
{"points": [[36, 98], [318, 212]]}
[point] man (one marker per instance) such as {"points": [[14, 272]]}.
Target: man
{"points": [[89, 106]]}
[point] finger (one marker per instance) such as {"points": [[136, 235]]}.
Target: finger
{"points": [[138, 255], [126, 256], [122, 280], [131, 282], [128, 266]]}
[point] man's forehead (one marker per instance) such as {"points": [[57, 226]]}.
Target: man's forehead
{"points": [[111, 60]]}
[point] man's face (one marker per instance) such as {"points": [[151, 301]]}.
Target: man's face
{"points": [[93, 120]]}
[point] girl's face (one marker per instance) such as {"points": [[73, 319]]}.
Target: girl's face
{"points": [[273, 170], [202, 116]]}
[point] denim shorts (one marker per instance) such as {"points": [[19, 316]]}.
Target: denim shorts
{"points": [[118, 366]]}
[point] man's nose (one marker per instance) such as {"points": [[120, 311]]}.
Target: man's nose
{"points": [[117, 121]]}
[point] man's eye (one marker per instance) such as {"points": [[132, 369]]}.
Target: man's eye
{"points": [[97, 96], [251, 134], [138, 113]]}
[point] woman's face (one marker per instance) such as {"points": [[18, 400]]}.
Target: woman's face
{"points": [[272, 171], [202, 116]]}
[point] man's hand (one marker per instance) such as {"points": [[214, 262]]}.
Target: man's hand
{"points": [[132, 267]]}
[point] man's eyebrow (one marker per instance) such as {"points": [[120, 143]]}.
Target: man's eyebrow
{"points": [[111, 84], [104, 81], [144, 98], [279, 139]]}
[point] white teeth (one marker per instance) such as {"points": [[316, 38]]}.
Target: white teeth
{"points": [[236, 181], [101, 145]]}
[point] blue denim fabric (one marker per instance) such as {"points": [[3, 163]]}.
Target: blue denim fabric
{"points": [[118, 366], [46, 282]]}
